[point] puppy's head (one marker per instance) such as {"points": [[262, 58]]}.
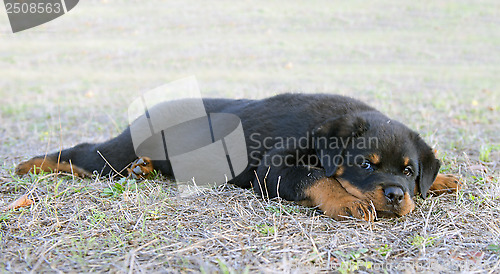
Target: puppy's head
{"points": [[377, 160]]}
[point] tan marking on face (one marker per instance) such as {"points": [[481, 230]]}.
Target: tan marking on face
{"points": [[377, 197], [407, 206], [374, 158], [337, 197], [380, 202], [406, 161]]}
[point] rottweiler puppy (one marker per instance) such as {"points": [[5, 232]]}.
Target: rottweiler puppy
{"points": [[326, 151]]}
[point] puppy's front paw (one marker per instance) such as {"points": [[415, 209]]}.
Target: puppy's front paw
{"points": [[329, 196], [357, 209], [141, 168], [445, 183]]}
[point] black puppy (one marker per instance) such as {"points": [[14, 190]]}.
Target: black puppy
{"points": [[327, 151]]}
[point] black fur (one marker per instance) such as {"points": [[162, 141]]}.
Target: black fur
{"points": [[301, 117]]}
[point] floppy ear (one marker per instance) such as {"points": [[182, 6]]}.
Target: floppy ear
{"points": [[428, 167], [331, 137]]}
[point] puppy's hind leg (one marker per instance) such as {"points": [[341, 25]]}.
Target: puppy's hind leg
{"points": [[105, 158]]}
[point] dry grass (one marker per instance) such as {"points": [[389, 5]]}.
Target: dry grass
{"points": [[82, 225], [433, 67]]}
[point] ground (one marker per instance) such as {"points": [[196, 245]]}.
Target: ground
{"points": [[434, 66]]}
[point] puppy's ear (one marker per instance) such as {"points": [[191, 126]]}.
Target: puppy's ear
{"points": [[428, 167], [331, 137]]}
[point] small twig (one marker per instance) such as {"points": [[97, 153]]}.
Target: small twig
{"points": [[265, 182], [278, 187], [258, 181], [109, 164]]}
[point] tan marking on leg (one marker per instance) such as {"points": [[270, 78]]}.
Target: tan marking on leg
{"points": [[36, 165], [445, 183], [351, 189], [328, 195]]}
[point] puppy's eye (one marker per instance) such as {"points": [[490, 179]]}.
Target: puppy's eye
{"points": [[366, 165], [408, 171]]}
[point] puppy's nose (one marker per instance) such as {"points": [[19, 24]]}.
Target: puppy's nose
{"points": [[394, 195]]}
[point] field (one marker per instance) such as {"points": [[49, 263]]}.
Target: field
{"points": [[433, 66]]}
